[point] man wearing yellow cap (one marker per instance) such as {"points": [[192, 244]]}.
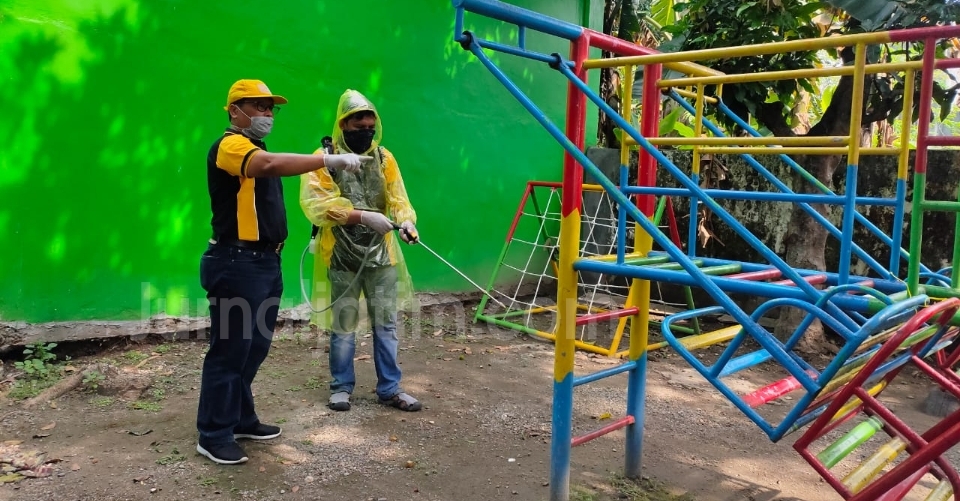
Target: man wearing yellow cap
{"points": [[240, 270]]}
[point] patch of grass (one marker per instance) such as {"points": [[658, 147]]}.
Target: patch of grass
{"points": [[146, 405], [134, 356], [23, 389], [173, 457], [578, 493], [646, 490], [312, 383], [163, 348], [206, 482], [102, 402], [621, 488]]}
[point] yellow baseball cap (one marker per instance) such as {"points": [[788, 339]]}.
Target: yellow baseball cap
{"points": [[246, 88]]}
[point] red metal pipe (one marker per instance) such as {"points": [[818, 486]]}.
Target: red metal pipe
{"points": [[944, 64], [546, 184], [576, 128], [756, 275], [771, 392], [672, 223], [615, 45], [649, 127], [519, 213], [943, 140], [926, 97], [929, 33], [614, 426], [810, 279], [607, 315]]}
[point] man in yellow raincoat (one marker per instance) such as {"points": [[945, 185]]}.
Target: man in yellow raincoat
{"points": [[358, 251]]}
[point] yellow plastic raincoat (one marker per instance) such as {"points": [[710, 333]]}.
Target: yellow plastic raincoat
{"points": [[327, 199]]}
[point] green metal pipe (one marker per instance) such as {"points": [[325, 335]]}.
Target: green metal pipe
{"points": [[916, 232]]}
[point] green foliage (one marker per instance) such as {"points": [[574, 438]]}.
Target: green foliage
{"points": [[39, 360], [707, 24], [92, 380]]}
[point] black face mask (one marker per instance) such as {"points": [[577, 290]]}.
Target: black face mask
{"points": [[359, 140]]}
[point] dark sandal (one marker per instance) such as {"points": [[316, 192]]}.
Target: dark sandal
{"points": [[403, 402]]}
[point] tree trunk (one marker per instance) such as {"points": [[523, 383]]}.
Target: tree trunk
{"points": [[806, 240], [606, 128], [806, 243]]}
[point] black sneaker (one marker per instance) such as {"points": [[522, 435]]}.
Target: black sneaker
{"points": [[223, 454], [259, 432]]}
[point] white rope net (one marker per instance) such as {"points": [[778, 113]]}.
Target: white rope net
{"points": [[529, 266]]}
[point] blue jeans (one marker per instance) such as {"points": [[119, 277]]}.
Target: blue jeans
{"points": [[379, 287], [244, 289]]}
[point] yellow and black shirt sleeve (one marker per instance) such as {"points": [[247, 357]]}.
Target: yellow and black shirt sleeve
{"points": [[234, 154], [244, 207]]}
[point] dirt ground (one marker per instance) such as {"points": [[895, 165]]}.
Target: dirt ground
{"points": [[484, 432]]}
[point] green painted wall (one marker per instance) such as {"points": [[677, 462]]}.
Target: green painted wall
{"points": [[110, 106]]}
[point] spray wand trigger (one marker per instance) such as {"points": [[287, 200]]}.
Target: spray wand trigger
{"points": [[413, 237]]}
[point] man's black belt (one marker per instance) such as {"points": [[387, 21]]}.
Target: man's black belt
{"points": [[249, 244]]}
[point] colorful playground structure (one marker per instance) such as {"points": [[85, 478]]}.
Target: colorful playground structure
{"points": [[886, 322]]}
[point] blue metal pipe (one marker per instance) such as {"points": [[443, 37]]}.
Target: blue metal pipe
{"points": [[849, 209], [694, 220], [622, 220], [521, 17], [766, 196], [517, 51], [796, 167], [717, 210], [636, 407], [698, 277], [897, 232], [780, 185], [710, 283], [605, 373]]}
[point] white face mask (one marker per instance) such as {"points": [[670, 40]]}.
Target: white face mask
{"points": [[259, 126]]}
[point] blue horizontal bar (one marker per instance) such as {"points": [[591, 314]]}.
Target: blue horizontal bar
{"points": [[745, 362], [589, 378], [518, 51], [845, 301], [768, 196], [521, 17]]}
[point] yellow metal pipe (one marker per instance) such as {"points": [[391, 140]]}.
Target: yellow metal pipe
{"points": [[903, 165], [857, 479], [577, 343], [626, 112], [853, 403], [703, 340], [881, 151], [771, 150], [856, 106], [766, 76], [698, 129], [606, 258], [687, 93], [942, 492], [765, 140], [743, 50]]}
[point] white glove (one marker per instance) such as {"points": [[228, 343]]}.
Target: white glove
{"points": [[349, 162], [377, 221], [408, 232]]}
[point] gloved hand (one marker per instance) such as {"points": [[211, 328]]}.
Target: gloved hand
{"points": [[349, 162], [377, 221], [408, 232]]}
